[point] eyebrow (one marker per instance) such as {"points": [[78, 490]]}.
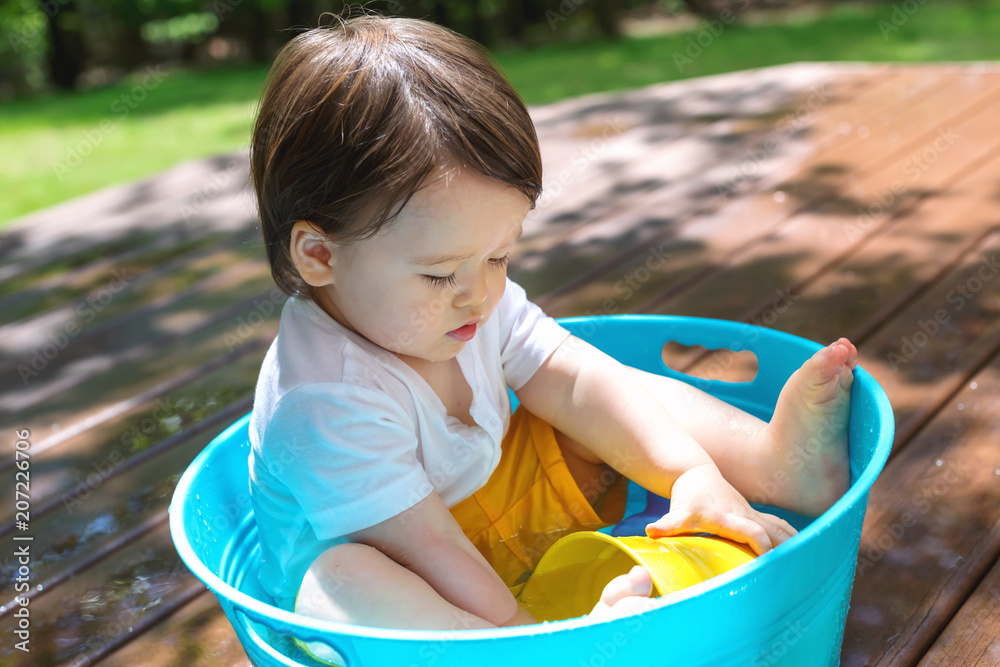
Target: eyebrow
{"points": [[431, 260]]}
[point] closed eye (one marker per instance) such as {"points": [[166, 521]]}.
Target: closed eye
{"points": [[441, 281], [500, 262], [450, 280]]}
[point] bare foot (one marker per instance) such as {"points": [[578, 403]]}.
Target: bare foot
{"points": [[805, 443], [624, 595]]}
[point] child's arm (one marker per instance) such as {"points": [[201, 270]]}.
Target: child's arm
{"points": [[427, 541], [597, 402]]}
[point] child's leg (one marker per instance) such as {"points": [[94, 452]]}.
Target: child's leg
{"points": [[799, 460], [358, 584]]}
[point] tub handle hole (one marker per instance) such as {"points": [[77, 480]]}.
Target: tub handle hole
{"points": [[711, 364]]}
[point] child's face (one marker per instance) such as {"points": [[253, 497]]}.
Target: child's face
{"points": [[423, 286]]}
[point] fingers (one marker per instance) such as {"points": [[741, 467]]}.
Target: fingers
{"points": [[625, 594], [761, 532], [777, 529], [735, 528], [636, 582]]}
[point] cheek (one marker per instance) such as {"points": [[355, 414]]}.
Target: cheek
{"points": [[498, 283], [416, 312]]}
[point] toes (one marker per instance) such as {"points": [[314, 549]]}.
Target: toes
{"points": [[833, 359], [852, 358], [852, 352]]}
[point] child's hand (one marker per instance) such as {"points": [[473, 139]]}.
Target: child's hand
{"points": [[702, 501], [624, 595]]}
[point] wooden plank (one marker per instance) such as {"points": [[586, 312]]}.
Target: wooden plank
{"points": [[119, 295], [203, 195], [79, 272], [103, 607], [817, 241], [187, 323], [817, 229], [699, 251], [697, 172], [932, 530], [901, 258], [64, 474], [972, 639], [590, 144], [118, 500], [198, 635]]}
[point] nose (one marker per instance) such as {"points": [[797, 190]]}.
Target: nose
{"points": [[473, 292]]}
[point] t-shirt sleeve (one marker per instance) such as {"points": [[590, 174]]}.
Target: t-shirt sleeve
{"points": [[348, 455], [527, 336]]}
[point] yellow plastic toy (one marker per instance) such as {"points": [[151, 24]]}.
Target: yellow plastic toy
{"points": [[569, 578]]}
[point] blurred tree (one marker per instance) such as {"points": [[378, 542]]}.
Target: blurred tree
{"points": [[68, 43], [66, 56], [22, 48]]}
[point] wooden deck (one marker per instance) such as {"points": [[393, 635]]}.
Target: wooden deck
{"points": [[820, 200]]}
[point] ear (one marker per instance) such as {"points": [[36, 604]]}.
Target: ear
{"points": [[312, 254]]}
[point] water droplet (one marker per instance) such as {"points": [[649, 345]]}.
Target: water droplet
{"points": [[863, 132], [973, 384], [961, 406], [779, 196], [939, 463]]}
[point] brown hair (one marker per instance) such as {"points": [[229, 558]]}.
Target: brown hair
{"points": [[354, 118]]}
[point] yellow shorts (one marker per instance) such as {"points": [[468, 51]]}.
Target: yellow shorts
{"points": [[531, 500]]}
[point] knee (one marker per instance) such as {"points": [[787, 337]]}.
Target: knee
{"points": [[337, 576]]}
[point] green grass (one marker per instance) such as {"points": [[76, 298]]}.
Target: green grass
{"points": [[61, 146], [192, 114]]}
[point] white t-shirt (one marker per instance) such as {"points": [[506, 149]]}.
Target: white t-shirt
{"points": [[344, 435]]}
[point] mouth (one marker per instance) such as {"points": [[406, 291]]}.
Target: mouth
{"points": [[465, 333]]}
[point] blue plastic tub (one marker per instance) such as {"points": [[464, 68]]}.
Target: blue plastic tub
{"points": [[785, 608]]}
